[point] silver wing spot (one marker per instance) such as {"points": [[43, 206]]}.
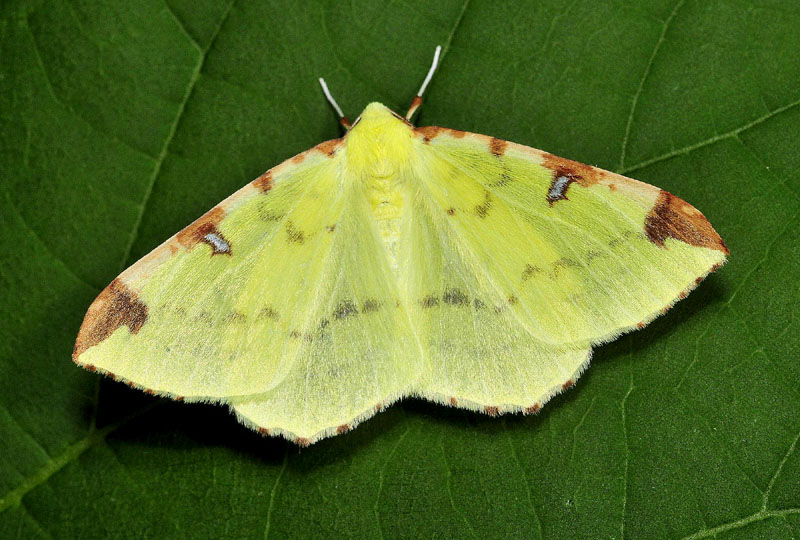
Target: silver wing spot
{"points": [[558, 189], [217, 243]]}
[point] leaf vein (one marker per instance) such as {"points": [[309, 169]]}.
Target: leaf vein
{"points": [[525, 477], [712, 435], [456, 26], [625, 171], [627, 449], [273, 491], [171, 134], [380, 480], [44, 245], [778, 471], [72, 452], [182, 27], [450, 489], [729, 302], [69, 108], [38, 524], [645, 75], [758, 516]]}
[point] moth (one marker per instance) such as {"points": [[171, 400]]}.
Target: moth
{"points": [[397, 261]]}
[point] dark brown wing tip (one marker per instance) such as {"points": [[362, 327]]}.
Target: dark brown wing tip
{"points": [[672, 217], [115, 306]]}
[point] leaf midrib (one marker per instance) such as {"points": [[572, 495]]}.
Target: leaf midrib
{"points": [[174, 126]]}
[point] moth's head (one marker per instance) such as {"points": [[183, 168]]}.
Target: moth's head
{"points": [[378, 134], [380, 121]]}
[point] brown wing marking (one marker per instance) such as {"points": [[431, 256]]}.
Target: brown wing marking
{"points": [[264, 182], [328, 147], [430, 132], [672, 217], [205, 230], [117, 305], [565, 172], [498, 146]]}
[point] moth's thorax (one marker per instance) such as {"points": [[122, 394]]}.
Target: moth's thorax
{"points": [[379, 144], [377, 150]]}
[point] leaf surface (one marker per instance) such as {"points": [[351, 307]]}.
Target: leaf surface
{"points": [[121, 123]]}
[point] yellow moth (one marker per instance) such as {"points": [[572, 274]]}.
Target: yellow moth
{"points": [[397, 261]]}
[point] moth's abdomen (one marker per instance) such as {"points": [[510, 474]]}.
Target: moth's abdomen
{"points": [[387, 198]]}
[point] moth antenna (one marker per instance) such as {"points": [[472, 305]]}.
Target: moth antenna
{"points": [[418, 98], [342, 118]]}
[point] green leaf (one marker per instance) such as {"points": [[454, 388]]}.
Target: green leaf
{"points": [[120, 122]]}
